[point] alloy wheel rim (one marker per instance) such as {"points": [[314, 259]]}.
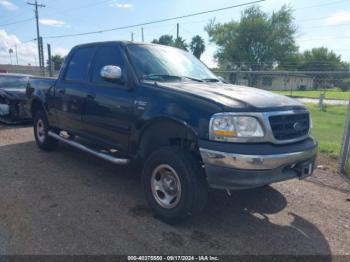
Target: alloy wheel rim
{"points": [[40, 130]]}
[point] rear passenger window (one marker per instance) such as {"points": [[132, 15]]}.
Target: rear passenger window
{"points": [[79, 64], [106, 55]]}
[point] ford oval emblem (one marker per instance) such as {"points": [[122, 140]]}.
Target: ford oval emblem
{"points": [[298, 126]]}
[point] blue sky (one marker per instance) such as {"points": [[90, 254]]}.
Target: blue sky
{"points": [[320, 22]]}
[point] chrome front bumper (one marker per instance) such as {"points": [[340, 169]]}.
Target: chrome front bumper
{"points": [[232, 166], [255, 162]]}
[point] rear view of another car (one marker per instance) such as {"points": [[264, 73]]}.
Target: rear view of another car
{"points": [[13, 98]]}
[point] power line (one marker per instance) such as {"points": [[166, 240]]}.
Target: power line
{"points": [[296, 9], [299, 20], [156, 21], [26, 42], [22, 43], [18, 22]]}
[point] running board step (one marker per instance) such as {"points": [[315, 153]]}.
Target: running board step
{"points": [[114, 160]]}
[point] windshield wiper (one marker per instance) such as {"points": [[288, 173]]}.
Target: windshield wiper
{"points": [[211, 80], [192, 78], [156, 77]]}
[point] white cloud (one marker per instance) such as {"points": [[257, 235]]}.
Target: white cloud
{"points": [[60, 51], [270, 5], [208, 57], [8, 5], [27, 52], [121, 5], [338, 17], [52, 22], [209, 61]]}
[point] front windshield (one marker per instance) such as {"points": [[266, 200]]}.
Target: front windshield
{"points": [[167, 63], [13, 81]]}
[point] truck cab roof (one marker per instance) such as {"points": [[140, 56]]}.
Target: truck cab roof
{"points": [[122, 42]]}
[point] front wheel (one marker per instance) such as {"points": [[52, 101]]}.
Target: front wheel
{"points": [[174, 183], [41, 129]]}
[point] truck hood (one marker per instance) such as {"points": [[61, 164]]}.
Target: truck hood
{"points": [[14, 93], [235, 96]]}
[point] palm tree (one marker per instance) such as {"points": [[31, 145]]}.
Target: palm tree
{"points": [[180, 43], [197, 46]]}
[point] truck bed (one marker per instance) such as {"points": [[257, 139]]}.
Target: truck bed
{"points": [[41, 82]]}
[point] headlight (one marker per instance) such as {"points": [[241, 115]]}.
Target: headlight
{"points": [[225, 127]]}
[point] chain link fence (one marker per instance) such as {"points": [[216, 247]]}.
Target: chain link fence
{"points": [[28, 70], [344, 165], [288, 80]]}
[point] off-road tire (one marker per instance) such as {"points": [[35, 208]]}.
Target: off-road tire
{"points": [[194, 189], [43, 140]]}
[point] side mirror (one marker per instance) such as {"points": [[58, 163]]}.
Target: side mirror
{"points": [[111, 73]]}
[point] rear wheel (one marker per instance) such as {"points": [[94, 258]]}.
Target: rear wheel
{"points": [[174, 183], [41, 129]]}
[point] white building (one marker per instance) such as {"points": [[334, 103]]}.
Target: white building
{"points": [[285, 82]]}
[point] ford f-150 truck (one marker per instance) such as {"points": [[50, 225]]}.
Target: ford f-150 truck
{"points": [[159, 106]]}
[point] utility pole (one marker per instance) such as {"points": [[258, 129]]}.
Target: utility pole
{"points": [[41, 53], [36, 5], [49, 60], [143, 38], [177, 30], [132, 36]]}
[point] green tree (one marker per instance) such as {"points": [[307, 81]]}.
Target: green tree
{"points": [[170, 41], [323, 59], [57, 62], [181, 43], [197, 46], [258, 41], [165, 40]]}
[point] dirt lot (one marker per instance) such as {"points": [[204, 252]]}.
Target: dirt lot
{"points": [[67, 202]]}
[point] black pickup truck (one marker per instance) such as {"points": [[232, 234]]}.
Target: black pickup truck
{"points": [[143, 103]]}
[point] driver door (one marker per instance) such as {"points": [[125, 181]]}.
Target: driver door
{"points": [[108, 104]]}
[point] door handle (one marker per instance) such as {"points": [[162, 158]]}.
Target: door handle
{"points": [[62, 91], [91, 95]]}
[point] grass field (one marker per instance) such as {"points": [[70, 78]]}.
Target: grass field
{"points": [[328, 128], [330, 94]]}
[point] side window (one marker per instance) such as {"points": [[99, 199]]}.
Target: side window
{"points": [[79, 64], [106, 55]]}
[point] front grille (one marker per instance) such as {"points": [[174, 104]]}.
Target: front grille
{"points": [[292, 126]]}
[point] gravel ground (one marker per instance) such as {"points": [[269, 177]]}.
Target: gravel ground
{"points": [[68, 202]]}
